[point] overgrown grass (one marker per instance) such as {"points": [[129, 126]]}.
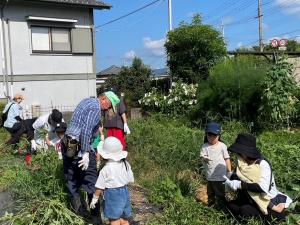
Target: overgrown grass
{"points": [[164, 154], [165, 158], [38, 190]]}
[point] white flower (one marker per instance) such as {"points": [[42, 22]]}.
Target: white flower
{"points": [[165, 97], [148, 100], [146, 103], [195, 101], [170, 102], [156, 103], [176, 99], [182, 102], [170, 90], [185, 92], [191, 102], [173, 84], [140, 102]]}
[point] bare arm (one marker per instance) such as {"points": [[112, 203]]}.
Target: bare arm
{"points": [[124, 118], [49, 143], [228, 165]]}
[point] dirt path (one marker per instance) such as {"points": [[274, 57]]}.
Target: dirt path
{"points": [[143, 210]]}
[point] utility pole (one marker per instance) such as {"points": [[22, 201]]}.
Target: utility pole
{"points": [[170, 29], [223, 29], [260, 28], [170, 14]]}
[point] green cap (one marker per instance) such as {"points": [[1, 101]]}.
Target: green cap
{"points": [[113, 98]]}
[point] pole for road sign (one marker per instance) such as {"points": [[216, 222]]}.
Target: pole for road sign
{"points": [[170, 15]]}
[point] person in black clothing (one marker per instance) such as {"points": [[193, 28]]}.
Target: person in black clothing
{"points": [[254, 182]]}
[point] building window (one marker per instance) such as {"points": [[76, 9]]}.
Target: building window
{"points": [[40, 38], [49, 39]]}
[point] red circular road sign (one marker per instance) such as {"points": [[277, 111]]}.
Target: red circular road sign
{"points": [[283, 42], [274, 43]]}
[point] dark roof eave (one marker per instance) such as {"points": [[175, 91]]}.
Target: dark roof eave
{"points": [[98, 6]]}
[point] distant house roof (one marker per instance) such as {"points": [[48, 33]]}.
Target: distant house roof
{"points": [[83, 3], [160, 72], [115, 70], [112, 70]]}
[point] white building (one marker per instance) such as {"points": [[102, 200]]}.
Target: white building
{"points": [[47, 51]]}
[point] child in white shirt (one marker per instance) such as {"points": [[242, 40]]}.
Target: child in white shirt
{"points": [[216, 163], [112, 182]]}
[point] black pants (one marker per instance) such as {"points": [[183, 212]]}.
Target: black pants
{"points": [[216, 193], [244, 208], [29, 129], [76, 178], [16, 132]]}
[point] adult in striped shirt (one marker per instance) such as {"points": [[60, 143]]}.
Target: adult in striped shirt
{"points": [[80, 167]]}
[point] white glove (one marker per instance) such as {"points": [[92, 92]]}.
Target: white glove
{"points": [[126, 129], [84, 162], [233, 184], [94, 201], [33, 145]]}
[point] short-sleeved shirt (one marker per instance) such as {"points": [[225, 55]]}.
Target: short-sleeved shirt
{"points": [[116, 121], [114, 175], [215, 165]]}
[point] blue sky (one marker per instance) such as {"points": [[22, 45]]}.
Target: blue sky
{"points": [[143, 33]]}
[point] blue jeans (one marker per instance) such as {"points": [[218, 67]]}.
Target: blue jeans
{"points": [[117, 203]]}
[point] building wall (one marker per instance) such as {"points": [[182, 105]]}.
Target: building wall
{"points": [[296, 62], [46, 79]]}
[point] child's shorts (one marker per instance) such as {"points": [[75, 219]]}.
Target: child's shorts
{"points": [[117, 203]]}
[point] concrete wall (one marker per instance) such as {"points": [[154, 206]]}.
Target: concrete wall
{"points": [[296, 62], [47, 79]]}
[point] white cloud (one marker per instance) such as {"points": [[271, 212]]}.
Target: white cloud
{"points": [[240, 44], [129, 55], [289, 6], [154, 47], [227, 20]]}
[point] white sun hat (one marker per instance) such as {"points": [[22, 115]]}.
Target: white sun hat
{"points": [[112, 149]]}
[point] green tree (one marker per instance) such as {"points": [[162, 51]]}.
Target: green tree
{"points": [[278, 104], [232, 89], [134, 81], [193, 49]]}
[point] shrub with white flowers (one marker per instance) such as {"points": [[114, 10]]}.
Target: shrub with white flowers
{"points": [[181, 99]]}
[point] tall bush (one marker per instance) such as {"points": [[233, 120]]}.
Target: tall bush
{"points": [[279, 103], [232, 89]]}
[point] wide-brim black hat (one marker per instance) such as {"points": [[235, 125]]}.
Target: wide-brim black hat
{"points": [[245, 144], [55, 117]]}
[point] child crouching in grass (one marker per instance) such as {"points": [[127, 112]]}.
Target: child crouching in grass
{"points": [[216, 164], [112, 182]]}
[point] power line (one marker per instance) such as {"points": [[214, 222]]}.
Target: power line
{"points": [[285, 33], [128, 14], [143, 17], [244, 5]]}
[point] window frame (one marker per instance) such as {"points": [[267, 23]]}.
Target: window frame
{"points": [[51, 51]]}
